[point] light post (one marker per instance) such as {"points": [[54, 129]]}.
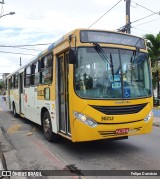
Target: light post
{"points": [[11, 13]]}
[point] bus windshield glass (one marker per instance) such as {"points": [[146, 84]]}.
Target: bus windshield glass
{"points": [[127, 77]]}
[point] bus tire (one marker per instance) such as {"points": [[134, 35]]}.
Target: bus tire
{"points": [[14, 111], [47, 128]]}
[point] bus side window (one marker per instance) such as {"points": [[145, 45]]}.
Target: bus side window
{"points": [[47, 69], [35, 74], [12, 82], [27, 76], [16, 80]]}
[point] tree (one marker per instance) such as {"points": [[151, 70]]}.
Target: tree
{"points": [[153, 45]]}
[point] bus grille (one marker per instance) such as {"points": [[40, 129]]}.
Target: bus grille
{"points": [[120, 110]]}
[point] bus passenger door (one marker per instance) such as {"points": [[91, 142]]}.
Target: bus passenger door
{"points": [[64, 125], [21, 102]]}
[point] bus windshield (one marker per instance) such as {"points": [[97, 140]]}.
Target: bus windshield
{"points": [[127, 78]]}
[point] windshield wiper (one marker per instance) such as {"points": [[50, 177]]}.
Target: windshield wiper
{"points": [[131, 65], [111, 65], [101, 52], [104, 57]]}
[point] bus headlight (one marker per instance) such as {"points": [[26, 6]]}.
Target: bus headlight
{"points": [[85, 119], [149, 116]]}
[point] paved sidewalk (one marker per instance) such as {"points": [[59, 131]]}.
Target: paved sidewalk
{"points": [[156, 121], [8, 157]]}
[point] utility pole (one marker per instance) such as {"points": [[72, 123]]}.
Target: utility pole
{"points": [[20, 62], [127, 28], [128, 22]]}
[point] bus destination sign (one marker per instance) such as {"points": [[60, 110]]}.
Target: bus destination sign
{"points": [[111, 38]]}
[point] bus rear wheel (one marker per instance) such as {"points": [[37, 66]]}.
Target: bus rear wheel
{"points": [[47, 128]]}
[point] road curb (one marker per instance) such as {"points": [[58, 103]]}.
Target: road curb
{"points": [[8, 156], [157, 124], [3, 165]]}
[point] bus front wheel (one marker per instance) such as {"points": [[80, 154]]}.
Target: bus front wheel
{"points": [[47, 128]]}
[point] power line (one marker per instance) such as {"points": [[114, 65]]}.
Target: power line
{"points": [[144, 7], [147, 22], [25, 45], [146, 17], [17, 53], [124, 27], [20, 48], [27, 49], [105, 13], [153, 13]]}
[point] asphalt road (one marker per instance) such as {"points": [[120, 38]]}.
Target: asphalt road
{"points": [[30, 151]]}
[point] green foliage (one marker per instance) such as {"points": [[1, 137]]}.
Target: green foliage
{"points": [[154, 80], [153, 45], [0, 84]]}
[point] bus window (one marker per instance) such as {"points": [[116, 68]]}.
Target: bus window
{"points": [[16, 80], [35, 74], [47, 69], [27, 76], [12, 82]]}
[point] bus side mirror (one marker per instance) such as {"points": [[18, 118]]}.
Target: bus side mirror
{"points": [[72, 56]]}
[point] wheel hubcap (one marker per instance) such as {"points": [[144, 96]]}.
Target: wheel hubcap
{"points": [[46, 125]]}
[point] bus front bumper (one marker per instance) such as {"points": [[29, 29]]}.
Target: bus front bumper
{"points": [[83, 132]]}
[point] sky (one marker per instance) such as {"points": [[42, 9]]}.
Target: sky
{"points": [[44, 22]]}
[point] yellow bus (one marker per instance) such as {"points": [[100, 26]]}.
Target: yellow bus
{"points": [[88, 85]]}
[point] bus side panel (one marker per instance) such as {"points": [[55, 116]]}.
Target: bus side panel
{"points": [[30, 107], [14, 99], [51, 108], [46, 105]]}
